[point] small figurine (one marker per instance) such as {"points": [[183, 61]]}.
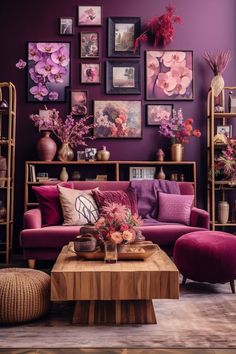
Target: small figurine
{"points": [[160, 155]]}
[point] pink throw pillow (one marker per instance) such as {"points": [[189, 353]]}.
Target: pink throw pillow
{"points": [[127, 198], [49, 203], [175, 208]]}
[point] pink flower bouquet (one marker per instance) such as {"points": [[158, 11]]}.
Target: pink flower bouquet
{"points": [[117, 224], [178, 129]]}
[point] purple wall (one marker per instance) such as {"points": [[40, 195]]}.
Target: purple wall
{"points": [[207, 25]]}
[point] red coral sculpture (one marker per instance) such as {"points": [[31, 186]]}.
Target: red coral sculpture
{"points": [[159, 29]]}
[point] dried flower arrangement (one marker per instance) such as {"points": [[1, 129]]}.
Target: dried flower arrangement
{"points": [[159, 29], [71, 131], [218, 62], [225, 163]]}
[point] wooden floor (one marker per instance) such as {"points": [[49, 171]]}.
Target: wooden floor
{"points": [[118, 351]]}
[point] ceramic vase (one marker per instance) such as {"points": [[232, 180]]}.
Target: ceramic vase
{"points": [[46, 147], [177, 152], [223, 212], [103, 154], [161, 174], [65, 153], [217, 84], [64, 175]]}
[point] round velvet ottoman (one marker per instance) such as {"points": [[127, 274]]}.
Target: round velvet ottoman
{"points": [[24, 294], [207, 256]]}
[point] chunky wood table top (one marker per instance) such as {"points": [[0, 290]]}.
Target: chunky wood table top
{"points": [[75, 279]]}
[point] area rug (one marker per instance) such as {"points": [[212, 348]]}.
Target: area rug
{"points": [[203, 317]]}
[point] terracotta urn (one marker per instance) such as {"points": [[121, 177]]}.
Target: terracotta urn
{"points": [[46, 147]]}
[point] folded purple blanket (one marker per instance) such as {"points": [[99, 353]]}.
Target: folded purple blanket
{"points": [[147, 194]]}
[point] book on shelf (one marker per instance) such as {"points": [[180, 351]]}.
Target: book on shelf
{"points": [[142, 172], [32, 173]]}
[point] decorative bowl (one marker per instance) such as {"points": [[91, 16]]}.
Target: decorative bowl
{"points": [[85, 243]]}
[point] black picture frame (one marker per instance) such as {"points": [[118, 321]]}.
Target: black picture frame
{"points": [[83, 50], [125, 86], [33, 57], [63, 30], [113, 44], [152, 121]]}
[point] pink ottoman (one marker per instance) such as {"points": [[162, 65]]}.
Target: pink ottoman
{"points": [[207, 256]]}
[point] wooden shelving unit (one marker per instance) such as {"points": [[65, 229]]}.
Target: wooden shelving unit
{"points": [[115, 170], [7, 150], [217, 189]]}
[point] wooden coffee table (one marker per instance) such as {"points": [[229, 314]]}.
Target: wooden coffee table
{"points": [[119, 293]]}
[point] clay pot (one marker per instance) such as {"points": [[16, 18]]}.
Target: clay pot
{"points": [[65, 153], [46, 147], [103, 154], [177, 152], [64, 175], [85, 243], [161, 174]]}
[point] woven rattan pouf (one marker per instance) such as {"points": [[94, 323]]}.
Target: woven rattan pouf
{"points": [[24, 294]]}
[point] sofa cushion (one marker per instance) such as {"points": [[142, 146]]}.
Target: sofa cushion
{"points": [[175, 208], [125, 197], [58, 236], [49, 203], [78, 207]]}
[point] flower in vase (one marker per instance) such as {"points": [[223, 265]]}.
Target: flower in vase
{"points": [[116, 237]]}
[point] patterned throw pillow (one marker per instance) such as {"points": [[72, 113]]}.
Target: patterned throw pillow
{"points": [[125, 197], [78, 206]]}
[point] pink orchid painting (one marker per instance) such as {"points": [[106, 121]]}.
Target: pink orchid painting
{"points": [[169, 75], [48, 71]]}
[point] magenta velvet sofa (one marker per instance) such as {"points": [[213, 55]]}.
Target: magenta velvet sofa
{"points": [[45, 243]]}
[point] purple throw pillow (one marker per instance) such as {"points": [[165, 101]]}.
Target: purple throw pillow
{"points": [[49, 203], [175, 208], [126, 197]]}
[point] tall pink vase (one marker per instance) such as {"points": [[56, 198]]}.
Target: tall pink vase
{"points": [[46, 147]]}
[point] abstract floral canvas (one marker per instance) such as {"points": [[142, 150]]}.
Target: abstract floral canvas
{"points": [[48, 71], [117, 119], [169, 75]]}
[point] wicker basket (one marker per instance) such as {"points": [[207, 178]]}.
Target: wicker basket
{"points": [[24, 294]]}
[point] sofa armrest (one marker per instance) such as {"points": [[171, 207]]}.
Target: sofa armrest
{"points": [[199, 218], [33, 219]]}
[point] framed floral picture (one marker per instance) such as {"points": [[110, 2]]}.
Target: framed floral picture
{"points": [[89, 15], [123, 77], [117, 119], [89, 45], [66, 26], [79, 102], [122, 32], [48, 71], [169, 75], [90, 73], [158, 113]]}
